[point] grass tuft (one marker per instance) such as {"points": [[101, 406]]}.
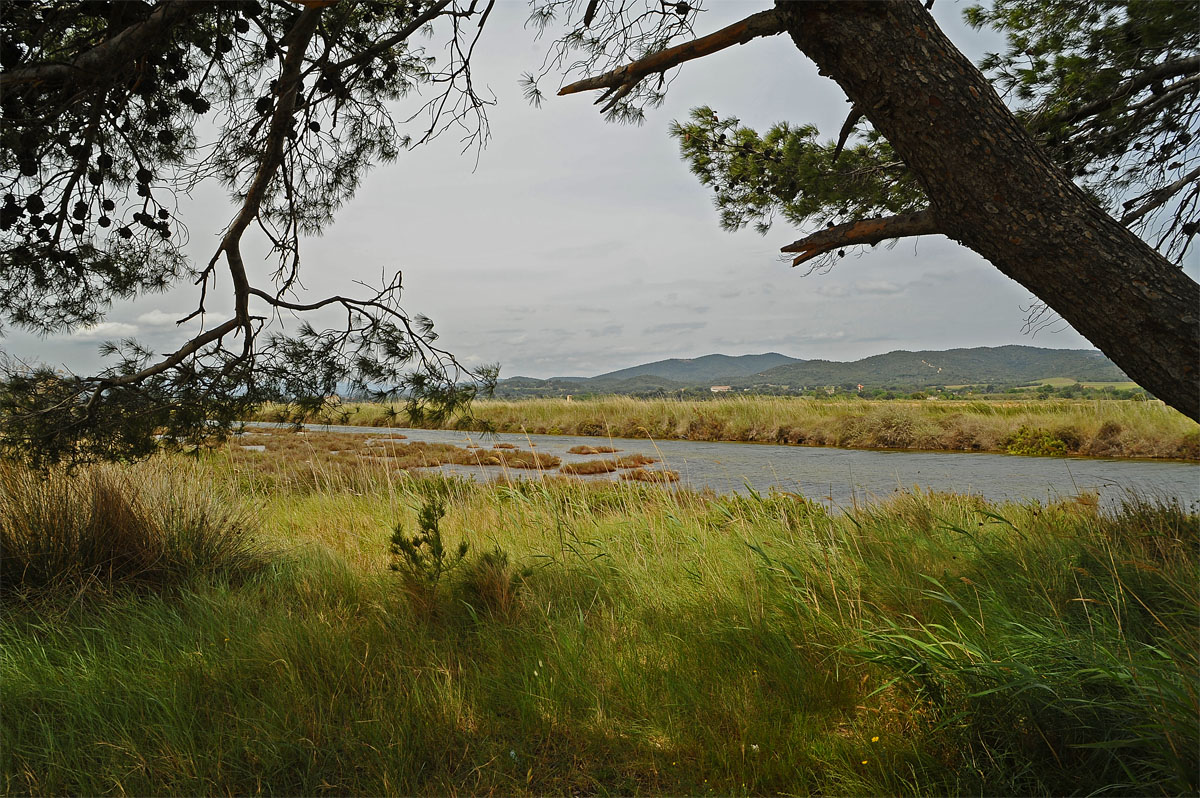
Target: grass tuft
{"points": [[646, 475], [106, 526], [592, 450], [590, 467]]}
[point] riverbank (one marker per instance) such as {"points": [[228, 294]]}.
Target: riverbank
{"points": [[593, 638], [1097, 428], [842, 477]]}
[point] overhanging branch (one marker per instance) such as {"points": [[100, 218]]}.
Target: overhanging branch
{"points": [[1158, 198], [98, 63], [427, 16], [862, 231], [619, 82], [1148, 77]]}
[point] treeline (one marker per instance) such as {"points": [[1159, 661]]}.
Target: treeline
{"points": [[967, 392]]}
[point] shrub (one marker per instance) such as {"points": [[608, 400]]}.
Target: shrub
{"points": [[109, 525], [1189, 447], [422, 560], [1033, 441], [1070, 437]]}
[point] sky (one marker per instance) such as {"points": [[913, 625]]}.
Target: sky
{"points": [[572, 246]]}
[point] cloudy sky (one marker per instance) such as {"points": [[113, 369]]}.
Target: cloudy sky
{"points": [[574, 247]]}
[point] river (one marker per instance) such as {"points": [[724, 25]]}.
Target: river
{"points": [[845, 476]]}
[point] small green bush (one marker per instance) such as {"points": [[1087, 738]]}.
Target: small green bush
{"points": [[422, 560], [1031, 441]]}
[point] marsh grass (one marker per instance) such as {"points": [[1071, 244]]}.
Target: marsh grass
{"points": [[1096, 428], [105, 526], [592, 450], [590, 467], [646, 475], [622, 638], [635, 461]]}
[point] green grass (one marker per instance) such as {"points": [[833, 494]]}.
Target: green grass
{"points": [[1096, 428], [1059, 382], [628, 639]]}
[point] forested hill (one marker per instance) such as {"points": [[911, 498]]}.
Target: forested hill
{"points": [[709, 368], [1002, 366]]}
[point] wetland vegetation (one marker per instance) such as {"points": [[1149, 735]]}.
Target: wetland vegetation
{"points": [[247, 633], [1093, 428]]}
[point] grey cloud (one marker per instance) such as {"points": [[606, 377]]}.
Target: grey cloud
{"points": [[105, 330], [879, 287], [675, 326], [159, 318]]}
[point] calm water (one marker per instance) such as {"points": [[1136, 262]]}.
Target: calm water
{"points": [[843, 476]]}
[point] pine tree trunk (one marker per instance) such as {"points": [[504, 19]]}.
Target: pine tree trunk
{"points": [[993, 189]]}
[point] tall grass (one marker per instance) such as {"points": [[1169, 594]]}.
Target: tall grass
{"points": [[618, 638], [1099, 428], [108, 525]]}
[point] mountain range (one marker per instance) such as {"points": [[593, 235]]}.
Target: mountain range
{"points": [[1000, 366]]}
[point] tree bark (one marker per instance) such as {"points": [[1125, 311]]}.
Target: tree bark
{"points": [[993, 189]]}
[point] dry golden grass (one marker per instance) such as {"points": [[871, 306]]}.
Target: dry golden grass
{"points": [[323, 460], [593, 450], [635, 461], [1096, 428], [645, 475], [589, 467], [519, 458]]}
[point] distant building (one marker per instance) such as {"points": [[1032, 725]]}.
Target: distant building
{"points": [[721, 388]]}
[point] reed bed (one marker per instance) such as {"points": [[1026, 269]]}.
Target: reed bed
{"points": [[1097, 428], [617, 638]]}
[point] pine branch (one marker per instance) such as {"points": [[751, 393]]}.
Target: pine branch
{"points": [[1156, 199], [383, 45], [619, 82], [297, 40], [856, 113], [863, 231], [98, 64], [1148, 77]]}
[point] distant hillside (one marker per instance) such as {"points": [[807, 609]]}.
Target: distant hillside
{"points": [[1004, 366], [1001, 365], [707, 369]]}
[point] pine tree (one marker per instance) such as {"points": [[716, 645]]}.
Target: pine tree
{"points": [[101, 106], [1105, 97]]}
